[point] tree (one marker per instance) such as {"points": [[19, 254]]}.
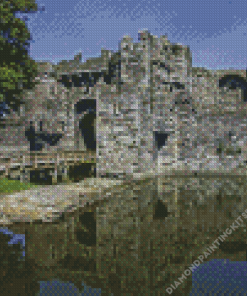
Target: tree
{"points": [[17, 69]]}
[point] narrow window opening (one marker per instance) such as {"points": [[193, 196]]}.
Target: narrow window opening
{"points": [[160, 139]]}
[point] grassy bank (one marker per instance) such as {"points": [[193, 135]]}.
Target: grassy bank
{"points": [[9, 186]]}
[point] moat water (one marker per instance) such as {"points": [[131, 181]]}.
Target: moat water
{"points": [[148, 234]]}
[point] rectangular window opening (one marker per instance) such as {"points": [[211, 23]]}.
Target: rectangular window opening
{"points": [[160, 139]]}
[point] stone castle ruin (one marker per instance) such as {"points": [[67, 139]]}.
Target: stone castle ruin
{"points": [[142, 109]]}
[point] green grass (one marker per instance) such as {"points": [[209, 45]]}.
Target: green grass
{"points": [[8, 186]]}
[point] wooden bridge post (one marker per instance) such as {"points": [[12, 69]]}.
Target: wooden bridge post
{"points": [[54, 175], [24, 173], [65, 173], [22, 169], [7, 169]]}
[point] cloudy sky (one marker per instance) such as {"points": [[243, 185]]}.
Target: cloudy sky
{"points": [[215, 30]]}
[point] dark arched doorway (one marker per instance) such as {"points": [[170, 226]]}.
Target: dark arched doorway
{"points": [[87, 128], [87, 123], [234, 81]]}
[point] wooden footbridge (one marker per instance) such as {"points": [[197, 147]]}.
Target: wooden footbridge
{"points": [[20, 164]]}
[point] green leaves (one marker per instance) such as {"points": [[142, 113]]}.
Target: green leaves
{"points": [[17, 69]]}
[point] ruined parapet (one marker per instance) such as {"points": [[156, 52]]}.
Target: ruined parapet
{"points": [[75, 66], [126, 48], [144, 46], [46, 70]]}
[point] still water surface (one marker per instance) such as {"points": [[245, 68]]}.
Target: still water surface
{"points": [[148, 233]]}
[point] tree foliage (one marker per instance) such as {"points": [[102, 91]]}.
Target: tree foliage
{"points": [[17, 69]]}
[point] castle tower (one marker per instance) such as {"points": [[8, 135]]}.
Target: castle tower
{"points": [[144, 91]]}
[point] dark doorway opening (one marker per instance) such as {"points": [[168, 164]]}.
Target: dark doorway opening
{"points": [[86, 234], [87, 129], [41, 177], [81, 171], [160, 139], [87, 126], [160, 210], [84, 105], [35, 143]]}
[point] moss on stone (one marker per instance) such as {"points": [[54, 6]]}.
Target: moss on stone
{"points": [[8, 186]]}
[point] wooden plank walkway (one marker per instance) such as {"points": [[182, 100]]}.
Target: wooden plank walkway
{"points": [[39, 159], [20, 164]]}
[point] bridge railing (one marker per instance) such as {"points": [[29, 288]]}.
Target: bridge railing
{"points": [[33, 158]]}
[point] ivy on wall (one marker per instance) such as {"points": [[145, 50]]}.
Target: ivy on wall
{"points": [[228, 150]]}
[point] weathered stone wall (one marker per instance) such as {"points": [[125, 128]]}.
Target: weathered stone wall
{"points": [[12, 137], [143, 89], [12, 132], [216, 113], [117, 128]]}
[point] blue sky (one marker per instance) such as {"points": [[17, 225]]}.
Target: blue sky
{"points": [[215, 30]]}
